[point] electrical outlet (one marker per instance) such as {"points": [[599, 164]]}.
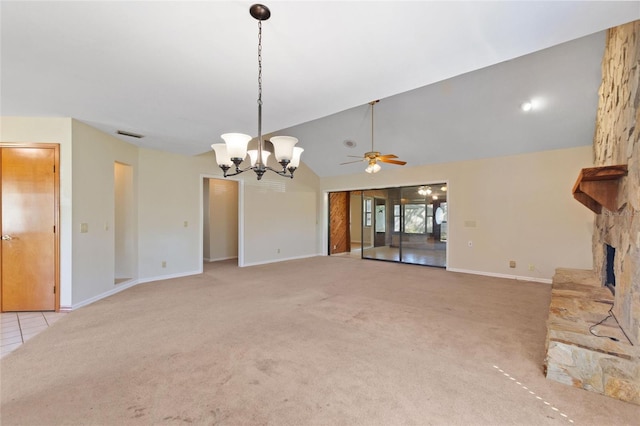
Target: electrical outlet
{"points": [[185, 224], [512, 264], [164, 263], [84, 228], [532, 267], [278, 250]]}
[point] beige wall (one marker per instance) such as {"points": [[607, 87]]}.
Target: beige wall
{"points": [[511, 208], [94, 156]]}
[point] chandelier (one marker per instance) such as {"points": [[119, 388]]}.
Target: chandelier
{"points": [[234, 149], [424, 190]]}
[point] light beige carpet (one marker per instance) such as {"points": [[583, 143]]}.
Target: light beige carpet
{"points": [[319, 341]]}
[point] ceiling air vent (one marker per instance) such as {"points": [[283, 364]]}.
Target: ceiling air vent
{"points": [[131, 135]]}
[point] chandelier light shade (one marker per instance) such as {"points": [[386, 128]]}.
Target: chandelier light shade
{"points": [[222, 155], [233, 151], [424, 190], [295, 160], [236, 144], [253, 156], [283, 147]]}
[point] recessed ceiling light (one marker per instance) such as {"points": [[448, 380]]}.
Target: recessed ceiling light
{"points": [[527, 106], [349, 143]]}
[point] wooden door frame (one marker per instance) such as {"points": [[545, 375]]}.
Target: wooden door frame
{"points": [[56, 219]]}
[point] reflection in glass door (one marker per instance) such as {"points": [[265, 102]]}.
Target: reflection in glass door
{"points": [[407, 224]]}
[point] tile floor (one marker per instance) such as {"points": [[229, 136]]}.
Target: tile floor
{"points": [[428, 257], [18, 327]]}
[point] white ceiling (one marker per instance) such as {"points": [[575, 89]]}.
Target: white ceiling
{"points": [[450, 75]]}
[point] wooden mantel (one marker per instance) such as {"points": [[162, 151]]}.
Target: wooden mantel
{"points": [[598, 186]]}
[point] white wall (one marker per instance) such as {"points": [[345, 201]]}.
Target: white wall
{"points": [[94, 155], [51, 130], [278, 225], [170, 197], [277, 213], [522, 208]]}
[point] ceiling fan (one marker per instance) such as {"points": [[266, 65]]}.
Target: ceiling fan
{"points": [[373, 157]]}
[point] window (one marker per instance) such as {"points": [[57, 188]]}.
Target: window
{"points": [[396, 218], [368, 202], [414, 218], [380, 218]]}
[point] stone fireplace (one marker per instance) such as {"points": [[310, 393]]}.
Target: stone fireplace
{"points": [[617, 141], [593, 335]]}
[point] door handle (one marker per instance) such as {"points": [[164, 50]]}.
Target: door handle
{"points": [[7, 237]]}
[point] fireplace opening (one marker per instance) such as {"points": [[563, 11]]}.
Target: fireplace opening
{"points": [[610, 276]]}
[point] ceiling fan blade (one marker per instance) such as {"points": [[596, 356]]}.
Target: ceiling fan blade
{"points": [[388, 156], [351, 162], [398, 162], [355, 156]]}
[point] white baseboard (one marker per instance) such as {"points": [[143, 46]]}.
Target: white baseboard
{"points": [[124, 286], [218, 259], [168, 277], [281, 260], [507, 276]]}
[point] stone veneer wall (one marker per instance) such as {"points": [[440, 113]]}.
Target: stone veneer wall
{"points": [[617, 141]]}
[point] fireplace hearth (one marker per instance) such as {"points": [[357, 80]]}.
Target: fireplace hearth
{"points": [[585, 346]]}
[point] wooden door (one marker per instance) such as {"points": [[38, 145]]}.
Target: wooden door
{"points": [[339, 229], [29, 219]]}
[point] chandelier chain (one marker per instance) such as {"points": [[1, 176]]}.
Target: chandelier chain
{"points": [[260, 62], [259, 163]]}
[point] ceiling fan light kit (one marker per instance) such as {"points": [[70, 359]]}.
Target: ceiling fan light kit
{"points": [[373, 167], [234, 149], [373, 157]]}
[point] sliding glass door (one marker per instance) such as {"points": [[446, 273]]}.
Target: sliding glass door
{"points": [[406, 224]]}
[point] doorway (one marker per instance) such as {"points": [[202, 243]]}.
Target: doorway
{"points": [[219, 220], [124, 220], [30, 228]]}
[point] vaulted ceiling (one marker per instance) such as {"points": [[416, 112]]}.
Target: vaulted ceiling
{"points": [[451, 76]]}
